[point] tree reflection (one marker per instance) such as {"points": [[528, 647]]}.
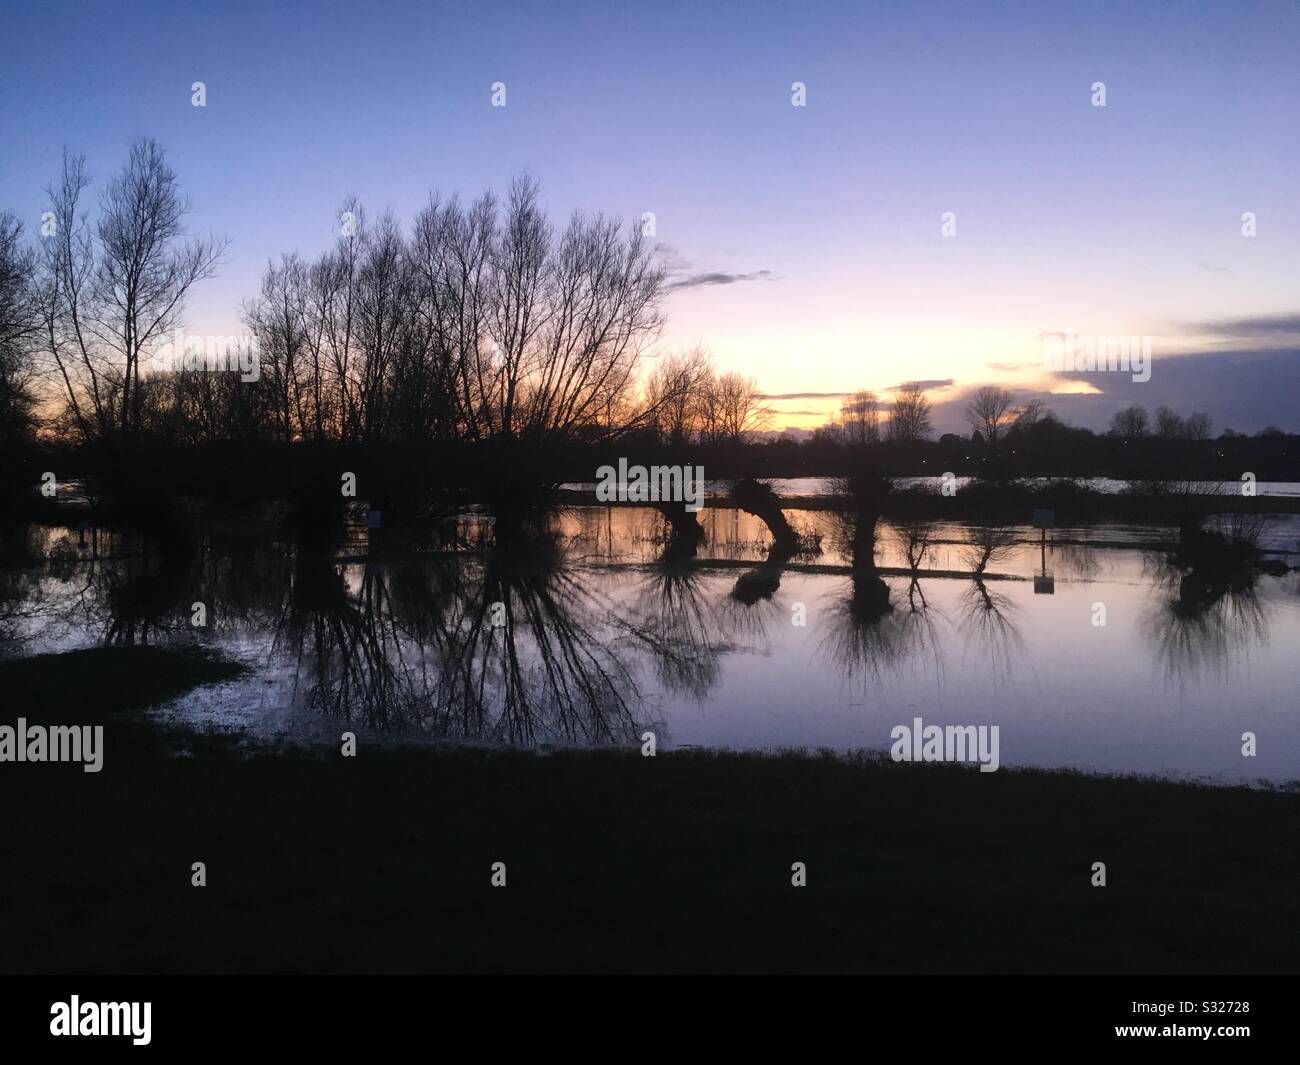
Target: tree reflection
{"points": [[1209, 614], [867, 635], [497, 647], [989, 544], [148, 598], [989, 622], [762, 582], [678, 624]]}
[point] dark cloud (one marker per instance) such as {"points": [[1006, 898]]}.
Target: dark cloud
{"points": [[1281, 327], [1241, 390], [719, 278], [932, 385]]}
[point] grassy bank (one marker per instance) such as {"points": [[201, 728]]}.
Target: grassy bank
{"points": [[614, 861], [97, 684]]}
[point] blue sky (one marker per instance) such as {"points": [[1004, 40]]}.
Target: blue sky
{"points": [[1115, 220]]}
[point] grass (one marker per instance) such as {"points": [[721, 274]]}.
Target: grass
{"points": [[615, 862], [107, 681]]}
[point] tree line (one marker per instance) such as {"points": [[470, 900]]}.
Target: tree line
{"points": [[479, 321]]}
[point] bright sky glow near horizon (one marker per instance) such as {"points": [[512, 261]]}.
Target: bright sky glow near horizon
{"points": [[821, 223]]}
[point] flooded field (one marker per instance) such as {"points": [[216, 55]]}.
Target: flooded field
{"points": [[1086, 646]]}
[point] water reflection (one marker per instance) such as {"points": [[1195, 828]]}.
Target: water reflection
{"points": [[1208, 616], [498, 648], [990, 627], [591, 630], [676, 624], [148, 602], [865, 635]]}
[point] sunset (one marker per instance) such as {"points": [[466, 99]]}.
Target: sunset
{"points": [[721, 487], [804, 243]]}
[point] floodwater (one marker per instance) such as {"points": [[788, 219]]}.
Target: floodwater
{"points": [[1086, 646], [805, 487]]}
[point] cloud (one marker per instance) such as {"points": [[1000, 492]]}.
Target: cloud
{"points": [[678, 268], [1245, 390], [1284, 328], [1242, 390], [1010, 367], [931, 385], [720, 278], [671, 259]]}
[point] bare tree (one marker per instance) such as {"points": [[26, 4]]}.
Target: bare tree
{"points": [[19, 313], [451, 257], [603, 294], [1198, 426], [191, 406], [1130, 422], [333, 309], [860, 418], [989, 410], [1030, 413], [19, 327], [1169, 424], [67, 306], [541, 332], [732, 410], [384, 285], [278, 318], [486, 322], [909, 418], [112, 293], [674, 394]]}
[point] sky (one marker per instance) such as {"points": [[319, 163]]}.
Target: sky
{"points": [[806, 243]]}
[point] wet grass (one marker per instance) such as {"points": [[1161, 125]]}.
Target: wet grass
{"points": [[615, 862], [105, 681]]}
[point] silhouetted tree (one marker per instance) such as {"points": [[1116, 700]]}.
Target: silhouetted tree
{"points": [[909, 419], [113, 292], [1031, 413], [989, 410], [732, 411], [19, 325], [675, 393], [859, 418], [1129, 423], [1168, 424]]}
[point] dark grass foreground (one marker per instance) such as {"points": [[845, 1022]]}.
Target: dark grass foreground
{"points": [[615, 862]]}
